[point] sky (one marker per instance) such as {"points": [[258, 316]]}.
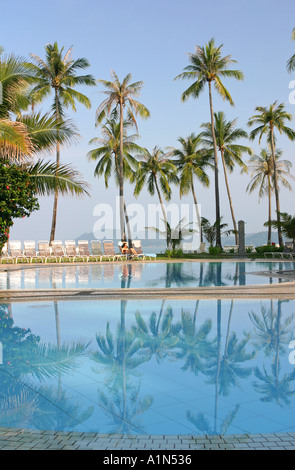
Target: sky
{"points": [[151, 40]]}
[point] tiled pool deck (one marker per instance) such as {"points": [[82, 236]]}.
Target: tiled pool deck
{"points": [[21, 439]]}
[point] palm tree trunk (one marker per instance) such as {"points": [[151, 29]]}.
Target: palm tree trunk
{"points": [[228, 329], [125, 208], [218, 363], [162, 206], [54, 214], [217, 199], [276, 187], [127, 225], [122, 353], [229, 198], [121, 177], [197, 210], [57, 327], [269, 211]]}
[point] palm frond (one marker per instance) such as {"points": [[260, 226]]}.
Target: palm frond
{"points": [[50, 177]]}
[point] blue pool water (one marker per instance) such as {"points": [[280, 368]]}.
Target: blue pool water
{"points": [[138, 275], [148, 367]]}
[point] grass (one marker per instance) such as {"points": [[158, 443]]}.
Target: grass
{"points": [[162, 256]]}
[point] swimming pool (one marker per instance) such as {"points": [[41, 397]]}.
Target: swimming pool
{"points": [[144, 275], [148, 367]]}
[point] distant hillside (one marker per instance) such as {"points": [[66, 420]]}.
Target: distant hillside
{"points": [[255, 239], [158, 246]]}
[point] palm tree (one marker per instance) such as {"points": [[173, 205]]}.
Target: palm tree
{"points": [[108, 155], [23, 138], [191, 162], [287, 225], [174, 235], [269, 119], [226, 134], [291, 61], [121, 96], [210, 231], [207, 66], [261, 167], [58, 73], [159, 171]]}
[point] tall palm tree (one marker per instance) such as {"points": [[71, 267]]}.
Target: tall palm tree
{"points": [[261, 168], [208, 66], [226, 134], [57, 73], [120, 97], [107, 155], [159, 171], [191, 161], [267, 120], [24, 137], [291, 61]]}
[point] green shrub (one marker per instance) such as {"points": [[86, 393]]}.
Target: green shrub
{"points": [[215, 250], [268, 249], [176, 253]]}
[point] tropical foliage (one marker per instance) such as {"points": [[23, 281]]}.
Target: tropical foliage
{"points": [[25, 136], [121, 98], [18, 198], [209, 67], [268, 120], [262, 175], [27, 133], [157, 172], [57, 73], [231, 152], [287, 225]]}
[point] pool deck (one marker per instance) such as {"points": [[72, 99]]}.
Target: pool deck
{"points": [[23, 439]]}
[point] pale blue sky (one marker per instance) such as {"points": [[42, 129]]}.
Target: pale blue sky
{"points": [[150, 40]]}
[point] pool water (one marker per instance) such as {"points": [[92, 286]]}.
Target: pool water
{"points": [[148, 367], [144, 275]]}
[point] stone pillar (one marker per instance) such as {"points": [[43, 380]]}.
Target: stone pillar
{"points": [[242, 250]]}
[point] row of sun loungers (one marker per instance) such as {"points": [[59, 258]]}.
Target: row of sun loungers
{"points": [[70, 252], [287, 254]]}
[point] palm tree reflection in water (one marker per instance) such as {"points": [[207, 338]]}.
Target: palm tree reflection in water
{"points": [[215, 351], [26, 400], [274, 331]]}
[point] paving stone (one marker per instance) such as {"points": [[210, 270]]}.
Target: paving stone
{"points": [[34, 440]]}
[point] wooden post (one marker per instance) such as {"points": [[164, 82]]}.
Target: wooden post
{"points": [[242, 250]]}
